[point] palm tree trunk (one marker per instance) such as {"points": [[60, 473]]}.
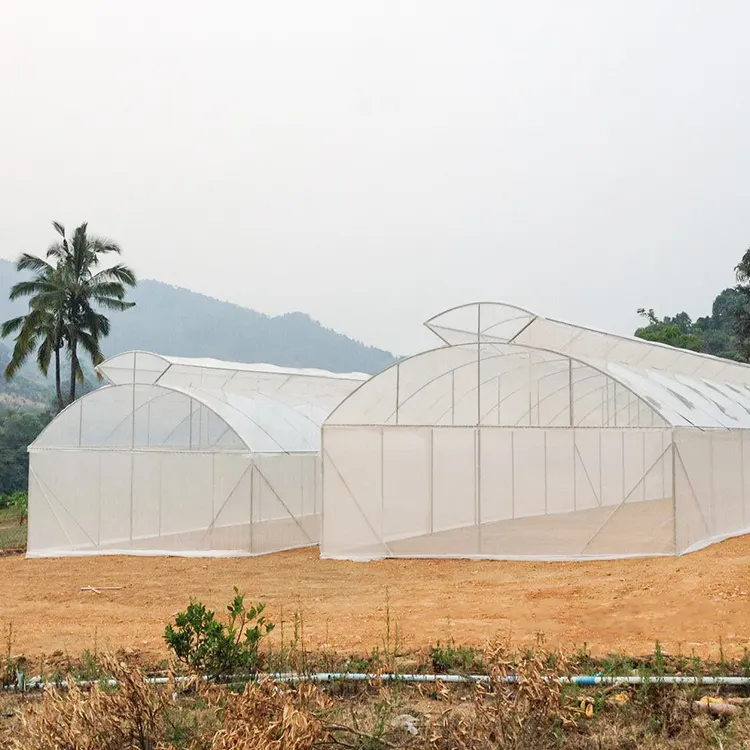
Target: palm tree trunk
{"points": [[73, 369], [58, 381]]}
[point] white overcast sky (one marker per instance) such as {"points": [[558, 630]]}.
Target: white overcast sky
{"points": [[372, 163]]}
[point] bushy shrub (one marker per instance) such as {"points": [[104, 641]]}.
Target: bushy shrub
{"points": [[214, 648]]}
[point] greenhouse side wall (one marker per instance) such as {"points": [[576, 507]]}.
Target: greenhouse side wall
{"points": [[158, 501], [497, 492], [712, 480]]}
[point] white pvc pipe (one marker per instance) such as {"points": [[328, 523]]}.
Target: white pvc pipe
{"points": [[36, 682]]}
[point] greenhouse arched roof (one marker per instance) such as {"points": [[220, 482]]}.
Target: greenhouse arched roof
{"points": [[679, 387], [200, 404]]}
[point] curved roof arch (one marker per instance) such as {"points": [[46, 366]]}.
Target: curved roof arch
{"points": [[147, 416], [687, 388], [262, 408], [468, 384]]}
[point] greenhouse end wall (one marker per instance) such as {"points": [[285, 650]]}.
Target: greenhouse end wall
{"points": [[497, 492]]}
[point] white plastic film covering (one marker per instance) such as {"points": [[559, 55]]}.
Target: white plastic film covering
{"points": [[524, 437], [497, 492], [183, 457]]}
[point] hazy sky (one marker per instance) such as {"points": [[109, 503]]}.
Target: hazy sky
{"points": [[374, 163]]}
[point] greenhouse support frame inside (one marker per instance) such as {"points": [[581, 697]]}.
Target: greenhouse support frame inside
{"points": [[181, 456], [524, 437]]}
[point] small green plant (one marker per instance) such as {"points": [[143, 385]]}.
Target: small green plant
{"points": [[19, 501], [16, 504], [449, 657], [211, 647], [745, 663], [659, 660]]}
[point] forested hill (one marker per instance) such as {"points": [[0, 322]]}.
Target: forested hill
{"points": [[174, 321]]}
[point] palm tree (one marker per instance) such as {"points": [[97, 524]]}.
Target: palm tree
{"points": [[66, 290], [87, 288]]}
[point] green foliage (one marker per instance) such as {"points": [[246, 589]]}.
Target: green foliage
{"points": [[211, 647], [450, 657], [722, 333], [678, 331], [17, 430]]}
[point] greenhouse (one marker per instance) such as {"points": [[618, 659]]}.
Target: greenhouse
{"points": [[524, 437], [183, 456]]}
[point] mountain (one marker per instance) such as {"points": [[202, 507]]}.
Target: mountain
{"points": [[174, 321]]}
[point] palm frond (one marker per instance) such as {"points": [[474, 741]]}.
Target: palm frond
{"points": [[44, 355], [103, 246], [110, 303], [26, 342], [12, 325], [91, 346], [34, 263], [119, 273], [59, 228], [30, 288], [106, 289]]}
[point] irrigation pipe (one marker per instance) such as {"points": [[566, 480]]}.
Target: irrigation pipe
{"points": [[22, 684]]}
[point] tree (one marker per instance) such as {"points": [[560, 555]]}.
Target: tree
{"points": [[678, 331], [17, 430], [65, 291], [741, 312]]}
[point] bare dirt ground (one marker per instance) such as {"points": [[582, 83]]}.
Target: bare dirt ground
{"points": [[690, 604]]}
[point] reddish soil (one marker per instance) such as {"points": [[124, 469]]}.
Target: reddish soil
{"points": [[690, 604]]}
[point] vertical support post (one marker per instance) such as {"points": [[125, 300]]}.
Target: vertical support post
{"points": [[213, 491], [190, 424], [382, 484], [398, 388], [479, 365], [643, 462], [453, 396], [132, 451], [601, 473], [80, 422], [742, 476], [478, 437], [513, 474], [320, 485], [545, 473], [614, 399], [252, 499], [674, 495], [478, 485], [570, 392], [302, 466], [575, 475], [498, 400], [99, 497], [431, 510], [531, 397], [712, 512], [161, 474], [622, 439]]}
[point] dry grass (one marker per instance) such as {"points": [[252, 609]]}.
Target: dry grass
{"points": [[535, 711], [131, 716]]}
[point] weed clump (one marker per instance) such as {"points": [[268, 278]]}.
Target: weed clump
{"points": [[214, 648]]}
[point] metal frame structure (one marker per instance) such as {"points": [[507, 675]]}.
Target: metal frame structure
{"points": [[526, 437], [183, 457]]}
